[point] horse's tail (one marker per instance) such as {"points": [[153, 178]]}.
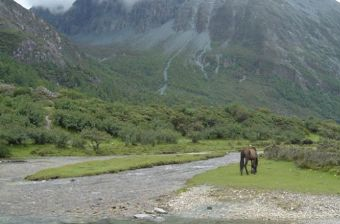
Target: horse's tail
{"points": [[243, 155]]}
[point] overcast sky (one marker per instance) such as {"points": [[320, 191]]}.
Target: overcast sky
{"points": [[66, 4], [51, 4]]}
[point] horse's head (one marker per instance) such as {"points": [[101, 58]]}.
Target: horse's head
{"points": [[254, 166]]}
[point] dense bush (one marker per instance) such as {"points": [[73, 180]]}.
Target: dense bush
{"points": [[4, 151], [78, 142], [14, 135], [95, 137], [22, 121], [129, 135], [73, 120], [305, 157], [61, 138], [195, 136], [239, 113], [133, 135], [34, 113], [41, 136]]}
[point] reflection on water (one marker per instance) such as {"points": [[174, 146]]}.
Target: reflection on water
{"points": [[168, 220]]}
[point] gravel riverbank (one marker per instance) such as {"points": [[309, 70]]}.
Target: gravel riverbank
{"points": [[92, 198], [128, 193], [209, 202]]}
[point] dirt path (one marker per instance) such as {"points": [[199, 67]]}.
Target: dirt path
{"points": [[92, 198]]}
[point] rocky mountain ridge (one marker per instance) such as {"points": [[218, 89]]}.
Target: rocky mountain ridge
{"points": [[33, 53], [282, 54], [30, 39]]}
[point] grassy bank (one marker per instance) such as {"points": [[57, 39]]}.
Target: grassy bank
{"points": [[118, 147], [272, 175], [117, 165]]}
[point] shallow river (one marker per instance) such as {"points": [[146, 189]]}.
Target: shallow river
{"points": [[168, 220]]}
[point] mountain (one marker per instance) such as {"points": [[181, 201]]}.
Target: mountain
{"points": [[281, 54], [26, 41], [33, 53]]}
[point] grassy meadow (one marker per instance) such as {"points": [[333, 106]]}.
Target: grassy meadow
{"points": [[272, 175], [118, 147], [117, 165]]}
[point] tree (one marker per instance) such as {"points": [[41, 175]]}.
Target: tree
{"points": [[95, 137]]}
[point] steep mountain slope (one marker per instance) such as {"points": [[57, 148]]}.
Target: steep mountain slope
{"points": [[33, 53], [28, 42], [282, 54]]}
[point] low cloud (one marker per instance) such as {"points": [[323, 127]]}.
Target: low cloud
{"points": [[56, 6], [128, 4], [60, 6]]}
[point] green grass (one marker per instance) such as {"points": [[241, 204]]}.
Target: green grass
{"points": [[272, 175], [117, 147], [117, 165], [34, 151], [314, 137]]}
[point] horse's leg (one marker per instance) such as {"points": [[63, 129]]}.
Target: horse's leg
{"points": [[253, 167], [256, 164], [245, 166], [242, 163]]}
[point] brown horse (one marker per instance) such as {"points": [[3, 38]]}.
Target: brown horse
{"points": [[246, 155]]}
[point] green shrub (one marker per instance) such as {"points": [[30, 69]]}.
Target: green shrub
{"points": [[307, 142], [73, 120], [129, 135], [133, 135], [43, 152], [153, 137], [195, 136], [61, 139], [110, 126], [14, 135], [4, 151], [217, 132], [78, 142], [22, 91], [304, 157], [312, 126], [96, 137], [167, 136], [34, 113], [238, 112], [41, 136]]}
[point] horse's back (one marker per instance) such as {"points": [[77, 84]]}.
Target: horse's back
{"points": [[250, 153], [253, 153]]}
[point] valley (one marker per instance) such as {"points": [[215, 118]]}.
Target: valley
{"points": [[112, 108]]}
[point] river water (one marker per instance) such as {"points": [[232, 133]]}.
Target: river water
{"points": [[167, 220]]}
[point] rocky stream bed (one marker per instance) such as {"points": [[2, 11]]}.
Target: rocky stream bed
{"points": [[123, 195]]}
